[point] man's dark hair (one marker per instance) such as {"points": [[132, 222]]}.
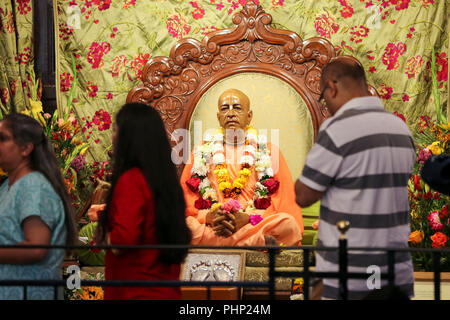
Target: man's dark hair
{"points": [[343, 67], [142, 143]]}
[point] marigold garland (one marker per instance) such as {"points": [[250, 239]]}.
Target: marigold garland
{"points": [[255, 154]]}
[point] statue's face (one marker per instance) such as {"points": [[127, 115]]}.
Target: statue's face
{"points": [[234, 110]]}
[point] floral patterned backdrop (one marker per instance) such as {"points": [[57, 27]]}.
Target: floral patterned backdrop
{"points": [[16, 52], [111, 41]]}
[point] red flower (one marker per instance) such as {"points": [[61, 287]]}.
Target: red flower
{"points": [[444, 212], [201, 203], [92, 243], [325, 25], [193, 183], [401, 116], [109, 96], [417, 184], [405, 98], [272, 185], [372, 69], [391, 54], [262, 203], [96, 52], [138, 64], [102, 120], [439, 240]]}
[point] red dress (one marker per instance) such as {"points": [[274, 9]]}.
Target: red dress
{"points": [[132, 221]]}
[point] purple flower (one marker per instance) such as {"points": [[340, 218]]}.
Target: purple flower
{"points": [[78, 163], [255, 219]]}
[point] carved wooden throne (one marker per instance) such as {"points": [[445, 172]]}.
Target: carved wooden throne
{"points": [[257, 59]]}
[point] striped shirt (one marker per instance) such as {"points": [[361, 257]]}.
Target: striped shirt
{"points": [[361, 161]]}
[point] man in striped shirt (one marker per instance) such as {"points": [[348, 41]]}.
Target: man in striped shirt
{"points": [[359, 168]]}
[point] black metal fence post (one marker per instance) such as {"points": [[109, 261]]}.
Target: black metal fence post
{"points": [[272, 274], [343, 227], [306, 276], [391, 267], [437, 275]]}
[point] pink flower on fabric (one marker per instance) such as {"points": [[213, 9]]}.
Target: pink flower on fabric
{"points": [[434, 221], [255, 219]]}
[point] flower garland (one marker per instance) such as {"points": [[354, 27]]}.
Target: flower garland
{"points": [[255, 154]]}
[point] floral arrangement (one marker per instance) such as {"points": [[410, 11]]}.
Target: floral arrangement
{"points": [[86, 292], [66, 134], [255, 154], [430, 220], [233, 206], [297, 289]]}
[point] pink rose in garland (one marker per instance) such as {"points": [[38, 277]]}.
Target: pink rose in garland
{"points": [[231, 206], [201, 203], [262, 203], [193, 183], [272, 185]]}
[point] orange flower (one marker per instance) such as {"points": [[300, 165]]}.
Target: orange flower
{"points": [[92, 293], [2, 173], [416, 237], [439, 240]]}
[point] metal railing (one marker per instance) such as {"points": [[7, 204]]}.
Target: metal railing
{"points": [[342, 274]]}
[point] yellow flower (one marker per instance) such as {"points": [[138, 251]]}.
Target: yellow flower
{"points": [[245, 172], [216, 206], [83, 151], [238, 185], [435, 148], [224, 185], [36, 111], [416, 236], [221, 174]]}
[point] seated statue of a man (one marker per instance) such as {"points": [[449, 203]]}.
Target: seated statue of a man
{"points": [[238, 187]]}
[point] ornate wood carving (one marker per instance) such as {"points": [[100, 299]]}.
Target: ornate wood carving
{"points": [[173, 85]]}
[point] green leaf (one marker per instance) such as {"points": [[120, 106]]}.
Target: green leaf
{"points": [[441, 118]]}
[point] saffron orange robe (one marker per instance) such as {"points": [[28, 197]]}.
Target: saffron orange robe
{"points": [[283, 219]]}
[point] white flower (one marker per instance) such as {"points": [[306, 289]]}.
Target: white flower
{"points": [[218, 137], [217, 147], [200, 170], [204, 184], [262, 139], [247, 159], [260, 186], [218, 158], [250, 149], [269, 172], [252, 136]]}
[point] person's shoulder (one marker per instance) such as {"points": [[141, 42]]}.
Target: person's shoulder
{"points": [[132, 174], [34, 179]]}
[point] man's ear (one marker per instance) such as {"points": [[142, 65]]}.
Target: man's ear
{"points": [[333, 88], [27, 149], [250, 116]]}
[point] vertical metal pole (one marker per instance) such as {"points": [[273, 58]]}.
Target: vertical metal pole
{"points": [[437, 275], [306, 276], [343, 290], [271, 274], [24, 292], [208, 292]]}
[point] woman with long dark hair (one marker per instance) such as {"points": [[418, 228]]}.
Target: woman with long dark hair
{"points": [[145, 206], [34, 208]]}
